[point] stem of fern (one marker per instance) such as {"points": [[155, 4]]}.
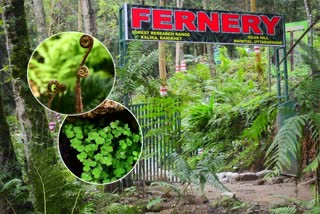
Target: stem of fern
{"points": [[43, 189], [75, 203], [11, 206]]}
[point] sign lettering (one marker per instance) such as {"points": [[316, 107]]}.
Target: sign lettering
{"points": [[192, 25]]}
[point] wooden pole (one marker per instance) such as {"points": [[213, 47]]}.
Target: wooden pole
{"points": [[79, 16], [162, 59], [257, 48]]}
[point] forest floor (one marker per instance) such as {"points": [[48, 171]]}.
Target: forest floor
{"points": [[249, 197]]}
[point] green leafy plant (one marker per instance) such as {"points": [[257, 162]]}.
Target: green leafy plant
{"points": [[107, 152], [283, 210]]}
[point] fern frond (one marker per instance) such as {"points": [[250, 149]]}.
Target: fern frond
{"points": [[314, 165], [181, 168], [204, 172], [10, 185], [167, 185], [284, 210], [50, 185], [286, 144]]}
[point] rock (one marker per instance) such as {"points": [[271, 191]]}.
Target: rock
{"points": [[231, 176], [263, 173], [260, 182], [311, 181], [248, 176], [166, 195], [221, 175], [277, 180], [167, 211], [228, 194], [201, 199]]}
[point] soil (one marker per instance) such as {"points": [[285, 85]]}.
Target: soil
{"points": [[250, 197], [266, 194]]}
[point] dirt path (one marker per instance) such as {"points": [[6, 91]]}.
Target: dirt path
{"points": [[266, 194]]}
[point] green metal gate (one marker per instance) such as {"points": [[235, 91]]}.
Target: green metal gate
{"points": [[161, 127]]}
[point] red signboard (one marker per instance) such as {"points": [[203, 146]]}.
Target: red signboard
{"points": [[192, 25]]}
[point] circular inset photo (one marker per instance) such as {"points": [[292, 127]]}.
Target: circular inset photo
{"points": [[71, 73], [101, 146]]}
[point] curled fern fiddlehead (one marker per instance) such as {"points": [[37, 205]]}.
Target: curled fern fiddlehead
{"points": [[86, 41], [83, 72], [54, 87]]}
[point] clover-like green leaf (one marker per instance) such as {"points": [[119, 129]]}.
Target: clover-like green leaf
{"points": [[129, 142], [135, 153], [123, 144], [116, 133], [114, 124], [107, 160], [86, 168], [102, 133], [129, 160], [77, 129], [93, 135], [106, 149], [86, 176], [98, 156], [110, 136], [87, 140], [107, 129], [99, 140], [91, 148], [69, 133], [96, 172], [136, 138], [121, 155], [119, 172], [104, 175], [82, 156], [79, 136]]}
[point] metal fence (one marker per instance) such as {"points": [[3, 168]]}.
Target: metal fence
{"points": [[161, 128]]}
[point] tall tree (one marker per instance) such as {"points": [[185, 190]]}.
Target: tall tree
{"points": [[179, 44], [88, 13], [28, 110], [8, 161], [209, 47], [40, 19], [162, 58], [79, 16]]}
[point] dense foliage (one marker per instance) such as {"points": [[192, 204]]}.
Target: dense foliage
{"points": [[106, 152], [216, 117]]}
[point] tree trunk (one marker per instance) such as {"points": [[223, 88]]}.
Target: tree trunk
{"points": [[79, 16], [89, 17], [257, 51], [162, 58], [8, 161], [40, 19], [179, 54], [310, 33], [209, 47], [29, 111]]}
